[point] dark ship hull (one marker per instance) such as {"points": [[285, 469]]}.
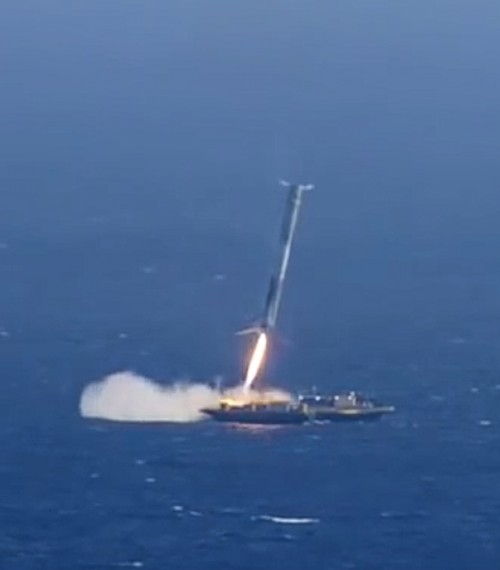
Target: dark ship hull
{"points": [[350, 408], [354, 415], [257, 417], [345, 407]]}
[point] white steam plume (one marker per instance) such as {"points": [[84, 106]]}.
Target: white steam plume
{"points": [[128, 397], [247, 395]]}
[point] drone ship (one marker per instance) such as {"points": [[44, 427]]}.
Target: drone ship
{"points": [[343, 407], [301, 409]]}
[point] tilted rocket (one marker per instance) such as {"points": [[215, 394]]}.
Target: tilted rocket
{"points": [[275, 290], [277, 281]]}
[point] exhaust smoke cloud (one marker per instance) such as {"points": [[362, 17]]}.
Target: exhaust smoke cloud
{"points": [[129, 397], [126, 396]]}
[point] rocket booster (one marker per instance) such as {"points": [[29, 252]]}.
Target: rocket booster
{"points": [[276, 283], [275, 290]]}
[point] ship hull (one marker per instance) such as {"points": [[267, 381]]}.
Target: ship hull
{"points": [[348, 416], [297, 416], [264, 417]]}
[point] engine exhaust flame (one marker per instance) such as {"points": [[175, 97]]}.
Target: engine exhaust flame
{"points": [[256, 361]]}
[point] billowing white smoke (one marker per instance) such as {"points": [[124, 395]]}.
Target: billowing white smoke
{"points": [[126, 396]]}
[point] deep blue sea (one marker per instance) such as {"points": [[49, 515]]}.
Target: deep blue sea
{"points": [[417, 490], [141, 144]]}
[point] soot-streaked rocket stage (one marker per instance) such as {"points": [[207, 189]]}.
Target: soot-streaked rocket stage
{"points": [[276, 283], [247, 405]]}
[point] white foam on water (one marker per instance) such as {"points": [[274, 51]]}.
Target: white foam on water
{"points": [[288, 520]]}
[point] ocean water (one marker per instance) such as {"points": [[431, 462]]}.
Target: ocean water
{"points": [[417, 490], [141, 144]]}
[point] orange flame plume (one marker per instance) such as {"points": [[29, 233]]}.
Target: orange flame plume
{"points": [[256, 361]]}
